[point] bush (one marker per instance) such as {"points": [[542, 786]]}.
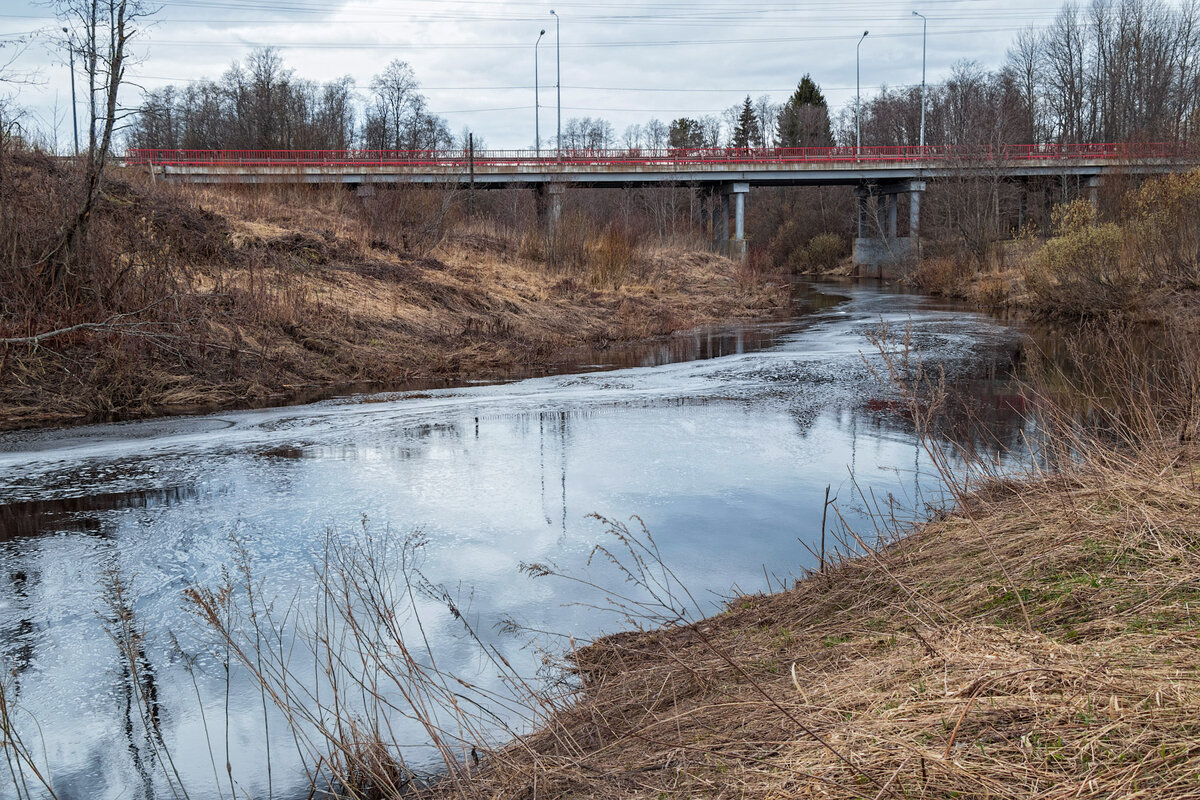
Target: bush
{"points": [[612, 255], [787, 246], [1082, 272], [825, 251], [1166, 231], [821, 253], [942, 276]]}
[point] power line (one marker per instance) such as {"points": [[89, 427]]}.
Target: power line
{"points": [[578, 45]]}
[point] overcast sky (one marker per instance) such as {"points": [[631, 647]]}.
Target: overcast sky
{"points": [[627, 61]]}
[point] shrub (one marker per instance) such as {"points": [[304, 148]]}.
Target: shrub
{"points": [[941, 275], [1166, 231], [825, 251], [1082, 271], [612, 255], [787, 248]]}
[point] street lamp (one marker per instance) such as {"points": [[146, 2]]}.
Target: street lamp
{"points": [[858, 94], [74, 105], [537, 109], [558, 81], [924, 29]]}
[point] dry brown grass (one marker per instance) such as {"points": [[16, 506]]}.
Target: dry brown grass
{"points": [[912, 672], [277, 292]]}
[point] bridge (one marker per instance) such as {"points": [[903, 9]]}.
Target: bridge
{"points": [[880, 175]]}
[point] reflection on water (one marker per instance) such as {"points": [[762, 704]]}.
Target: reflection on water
{"points": [[725, 459], [58, 515]]}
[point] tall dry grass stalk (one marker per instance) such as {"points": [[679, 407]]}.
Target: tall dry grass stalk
{"points": [[354, 671]]}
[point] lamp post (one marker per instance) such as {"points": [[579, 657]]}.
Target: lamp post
{"points": [[924, 30], [558, 80], [537, 109], [74, 105], [858, 94]]}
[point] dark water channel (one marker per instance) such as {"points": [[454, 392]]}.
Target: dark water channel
{"points": [[723, 442]]}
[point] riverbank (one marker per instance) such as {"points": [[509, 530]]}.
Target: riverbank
{"points": [[1039, 640], [1035, 638], [1132, 257], [246, 297]]}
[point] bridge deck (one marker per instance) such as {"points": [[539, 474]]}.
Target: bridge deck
{"points": [[757, 166]]}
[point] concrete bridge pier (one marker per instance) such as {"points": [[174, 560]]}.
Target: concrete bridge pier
{"points": [[879, 250], [723, 226], [1092, 185], [548, 203], [736, 246], [915, 190]]}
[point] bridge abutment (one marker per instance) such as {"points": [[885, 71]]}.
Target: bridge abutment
{"points": [[879, 250]]}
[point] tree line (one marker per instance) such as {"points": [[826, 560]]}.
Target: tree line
{"points": [[1110, 71], [262, 105], [1113, 70]]}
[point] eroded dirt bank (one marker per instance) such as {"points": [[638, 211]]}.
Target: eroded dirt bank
{"points": [[242, 298]]}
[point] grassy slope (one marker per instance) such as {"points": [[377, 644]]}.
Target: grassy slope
{"points": [[1041, 642], [295, 293]]}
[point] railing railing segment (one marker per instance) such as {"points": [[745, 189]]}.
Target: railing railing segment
{"points": [[661, 158]]}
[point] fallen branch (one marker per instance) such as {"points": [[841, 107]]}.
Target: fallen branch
{"points": [[109, 324]]}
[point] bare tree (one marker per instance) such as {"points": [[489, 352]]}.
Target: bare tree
{"points": [[395, 92], [656, 134], [102, 30], [1063, 77], [1024, 58]]}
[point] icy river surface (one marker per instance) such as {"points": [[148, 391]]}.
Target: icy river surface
{"points": [[722, 442]]}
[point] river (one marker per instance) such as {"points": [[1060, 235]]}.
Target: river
{"points": [[722, 441]]}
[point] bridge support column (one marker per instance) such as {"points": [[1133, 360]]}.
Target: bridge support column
{"points": [[737, 247], [723, 228], [879, 250], [1093, 185], [915, 190], [548, 202]]}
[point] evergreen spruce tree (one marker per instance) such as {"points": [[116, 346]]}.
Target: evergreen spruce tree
{"points": [[748, 132], [804, 119]]}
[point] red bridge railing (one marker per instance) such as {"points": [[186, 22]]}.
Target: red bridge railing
{"points": [[665, 158]]}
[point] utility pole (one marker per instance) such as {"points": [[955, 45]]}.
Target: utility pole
{"points": [[74, 105], [537, 109], [924, 31], [858, 95], [558, 79]]}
